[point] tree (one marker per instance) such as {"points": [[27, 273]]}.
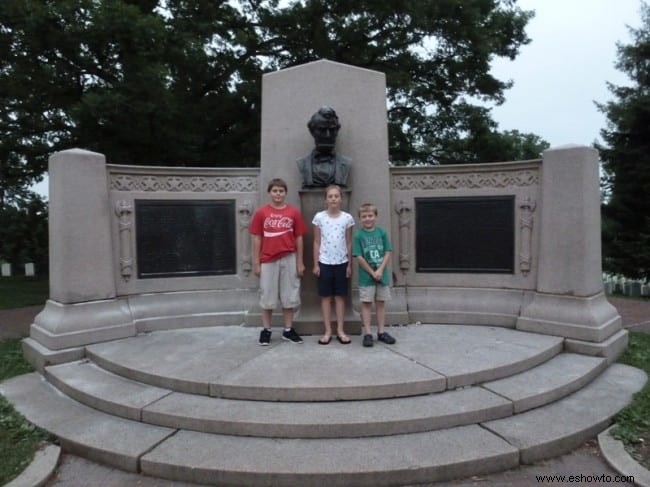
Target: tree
{"points": [[626, 160], [178, 81], [435, 55]]}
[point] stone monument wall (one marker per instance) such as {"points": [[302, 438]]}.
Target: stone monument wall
{"points": [[508, 244], [97, 290]]}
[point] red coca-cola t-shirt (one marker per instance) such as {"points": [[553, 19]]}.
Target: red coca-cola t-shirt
{"points": [[278, 229]]}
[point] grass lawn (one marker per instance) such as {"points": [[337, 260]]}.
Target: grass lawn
{"points": [[19, 439], [633, 422], [21, 291]]}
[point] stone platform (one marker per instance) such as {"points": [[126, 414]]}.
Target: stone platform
{"points": [[208, 405]]}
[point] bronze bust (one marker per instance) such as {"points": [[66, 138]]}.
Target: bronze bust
{"points": [[324, 166]]}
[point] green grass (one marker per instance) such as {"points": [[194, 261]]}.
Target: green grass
{"points": [[21, 291], [633, 422], [19, 439]]}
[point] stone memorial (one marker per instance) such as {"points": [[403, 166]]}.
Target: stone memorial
{"points": [[6, 270], [543, 273], [29, 269]]}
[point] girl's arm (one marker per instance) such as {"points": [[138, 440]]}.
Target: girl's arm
{"points": [[348, 247], [316, 250]]}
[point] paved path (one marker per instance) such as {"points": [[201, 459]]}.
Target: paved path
{"points": [[586, 460]]}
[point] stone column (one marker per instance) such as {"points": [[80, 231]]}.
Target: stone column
{"points": [[569, 299], [81, 254], [82, 307]]}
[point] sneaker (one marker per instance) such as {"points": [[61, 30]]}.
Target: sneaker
{"points": [[290, 335], [386, 338], [265, 336], [367, 341]]}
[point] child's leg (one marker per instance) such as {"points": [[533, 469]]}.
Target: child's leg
{"points": [[380, 309], [339, 304], [366, 315], [325, 307], [266, 318], [287, 315]]}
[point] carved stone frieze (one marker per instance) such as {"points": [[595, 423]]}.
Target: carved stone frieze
{"points": [[526, 220], [404, 212], [499, 179], [123, 210], [183, 183], [245, 211]]}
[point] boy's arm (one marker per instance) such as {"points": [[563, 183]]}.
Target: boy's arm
{"points": [[300, 263], [363, 263], [257, 246], [384, 263], [387, 256], [316, 250]]}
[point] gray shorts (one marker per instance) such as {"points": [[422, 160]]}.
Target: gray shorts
{"points": [[378, 292], [279, 281]]}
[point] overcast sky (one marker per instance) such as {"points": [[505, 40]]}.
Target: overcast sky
{"points": [[564, 69]]}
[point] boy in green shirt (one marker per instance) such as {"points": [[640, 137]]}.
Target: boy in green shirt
{"points": [[371, 246]]}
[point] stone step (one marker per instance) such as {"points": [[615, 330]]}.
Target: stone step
{"points": [[388, 460], [226, 362], [81, 430], [563, 374], [565, 424], [103, 390]]}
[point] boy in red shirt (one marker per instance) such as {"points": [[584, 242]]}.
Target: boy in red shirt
{"points": [[277, 230]]}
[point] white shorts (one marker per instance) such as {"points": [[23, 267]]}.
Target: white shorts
{"points": [[279, 281], [370, 294]]}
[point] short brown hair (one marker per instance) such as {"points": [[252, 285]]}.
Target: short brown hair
{"points": [[276, 182], [367, 207], [334, 186]]}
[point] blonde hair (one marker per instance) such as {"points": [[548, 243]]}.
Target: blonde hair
{"points": [[367, 207]]}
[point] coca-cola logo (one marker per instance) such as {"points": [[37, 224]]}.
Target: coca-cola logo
{"points": [[278, 221]]}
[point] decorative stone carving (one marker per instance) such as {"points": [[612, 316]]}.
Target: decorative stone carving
{"points": [[245, 211], [123, 210], [500, 179], [527, 208], [404, 212], [193, 184]]}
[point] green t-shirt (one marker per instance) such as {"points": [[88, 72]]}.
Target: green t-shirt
{"points": [[372, 245]]}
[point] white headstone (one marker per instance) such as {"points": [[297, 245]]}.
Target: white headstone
{"points": [[29, 269], [6, 270]]}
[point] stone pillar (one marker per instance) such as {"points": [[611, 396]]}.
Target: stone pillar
{"points": [[291, 96], [81, 254], [82, 307], [569, 299]]}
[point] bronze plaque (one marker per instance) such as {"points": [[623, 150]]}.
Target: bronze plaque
{"points": [[185, 238], [465, 234]]}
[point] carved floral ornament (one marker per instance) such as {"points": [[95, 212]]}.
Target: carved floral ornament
{"points": [[500, 179], [193, 184]]}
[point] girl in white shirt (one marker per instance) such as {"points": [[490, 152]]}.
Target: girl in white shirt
{"points": [[333, 261]]}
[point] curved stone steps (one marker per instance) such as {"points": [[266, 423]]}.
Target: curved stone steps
{"points": [[389, 460], [226, 362], [102, 390], [105, 391]]}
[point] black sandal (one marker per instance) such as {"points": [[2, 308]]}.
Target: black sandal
{"points": [[325, 342], [343, 339]]}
